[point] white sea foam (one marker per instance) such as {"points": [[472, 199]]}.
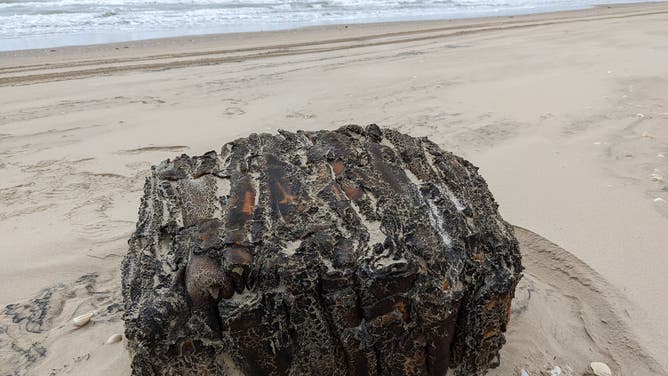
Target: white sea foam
{"points": [[47, 23]]}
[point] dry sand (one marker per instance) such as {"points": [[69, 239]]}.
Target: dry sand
{"points": [[565, 113]]}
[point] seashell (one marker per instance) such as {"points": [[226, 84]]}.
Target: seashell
{"points": [[598, 369], [82, 320], [114, 338]]}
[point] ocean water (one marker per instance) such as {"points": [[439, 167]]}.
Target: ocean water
{"points": [[28, 24]]}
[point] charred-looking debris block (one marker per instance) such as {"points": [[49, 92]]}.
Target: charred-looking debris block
{"points": [[360, 251]]}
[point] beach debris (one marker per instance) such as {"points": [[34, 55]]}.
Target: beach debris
{"points": [[640, 115], [114, 338], [659, 199], [82, 320], [556, 371], [523, 372], [646, 134], [319, 252], [660, 155], [656, 176], [598, 369]]}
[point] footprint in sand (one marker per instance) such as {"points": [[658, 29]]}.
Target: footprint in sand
{"points": [[234, 111], [31, 327]]}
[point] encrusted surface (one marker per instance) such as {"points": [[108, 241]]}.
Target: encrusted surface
{"points": [[359, 251]]}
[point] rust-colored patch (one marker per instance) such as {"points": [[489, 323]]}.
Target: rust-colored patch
{"points": [[352, 192], [401, 307], [249, 201], [491, 333], [415, 364], [501, 299], [478, 257], [337, 167], [445, 285], [491, 304], [509, 300], [242, 202], [287, 196]]}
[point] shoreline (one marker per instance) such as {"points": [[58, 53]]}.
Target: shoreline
{"points": [[564, 113], [165, 35], [26, 66], [197, 41]]}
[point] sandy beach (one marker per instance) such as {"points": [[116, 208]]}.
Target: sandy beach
{"points": [[565, 114]]}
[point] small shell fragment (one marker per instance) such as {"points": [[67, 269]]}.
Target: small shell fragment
{"points": [[598, 369], [82, 320], [114, 338]]}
